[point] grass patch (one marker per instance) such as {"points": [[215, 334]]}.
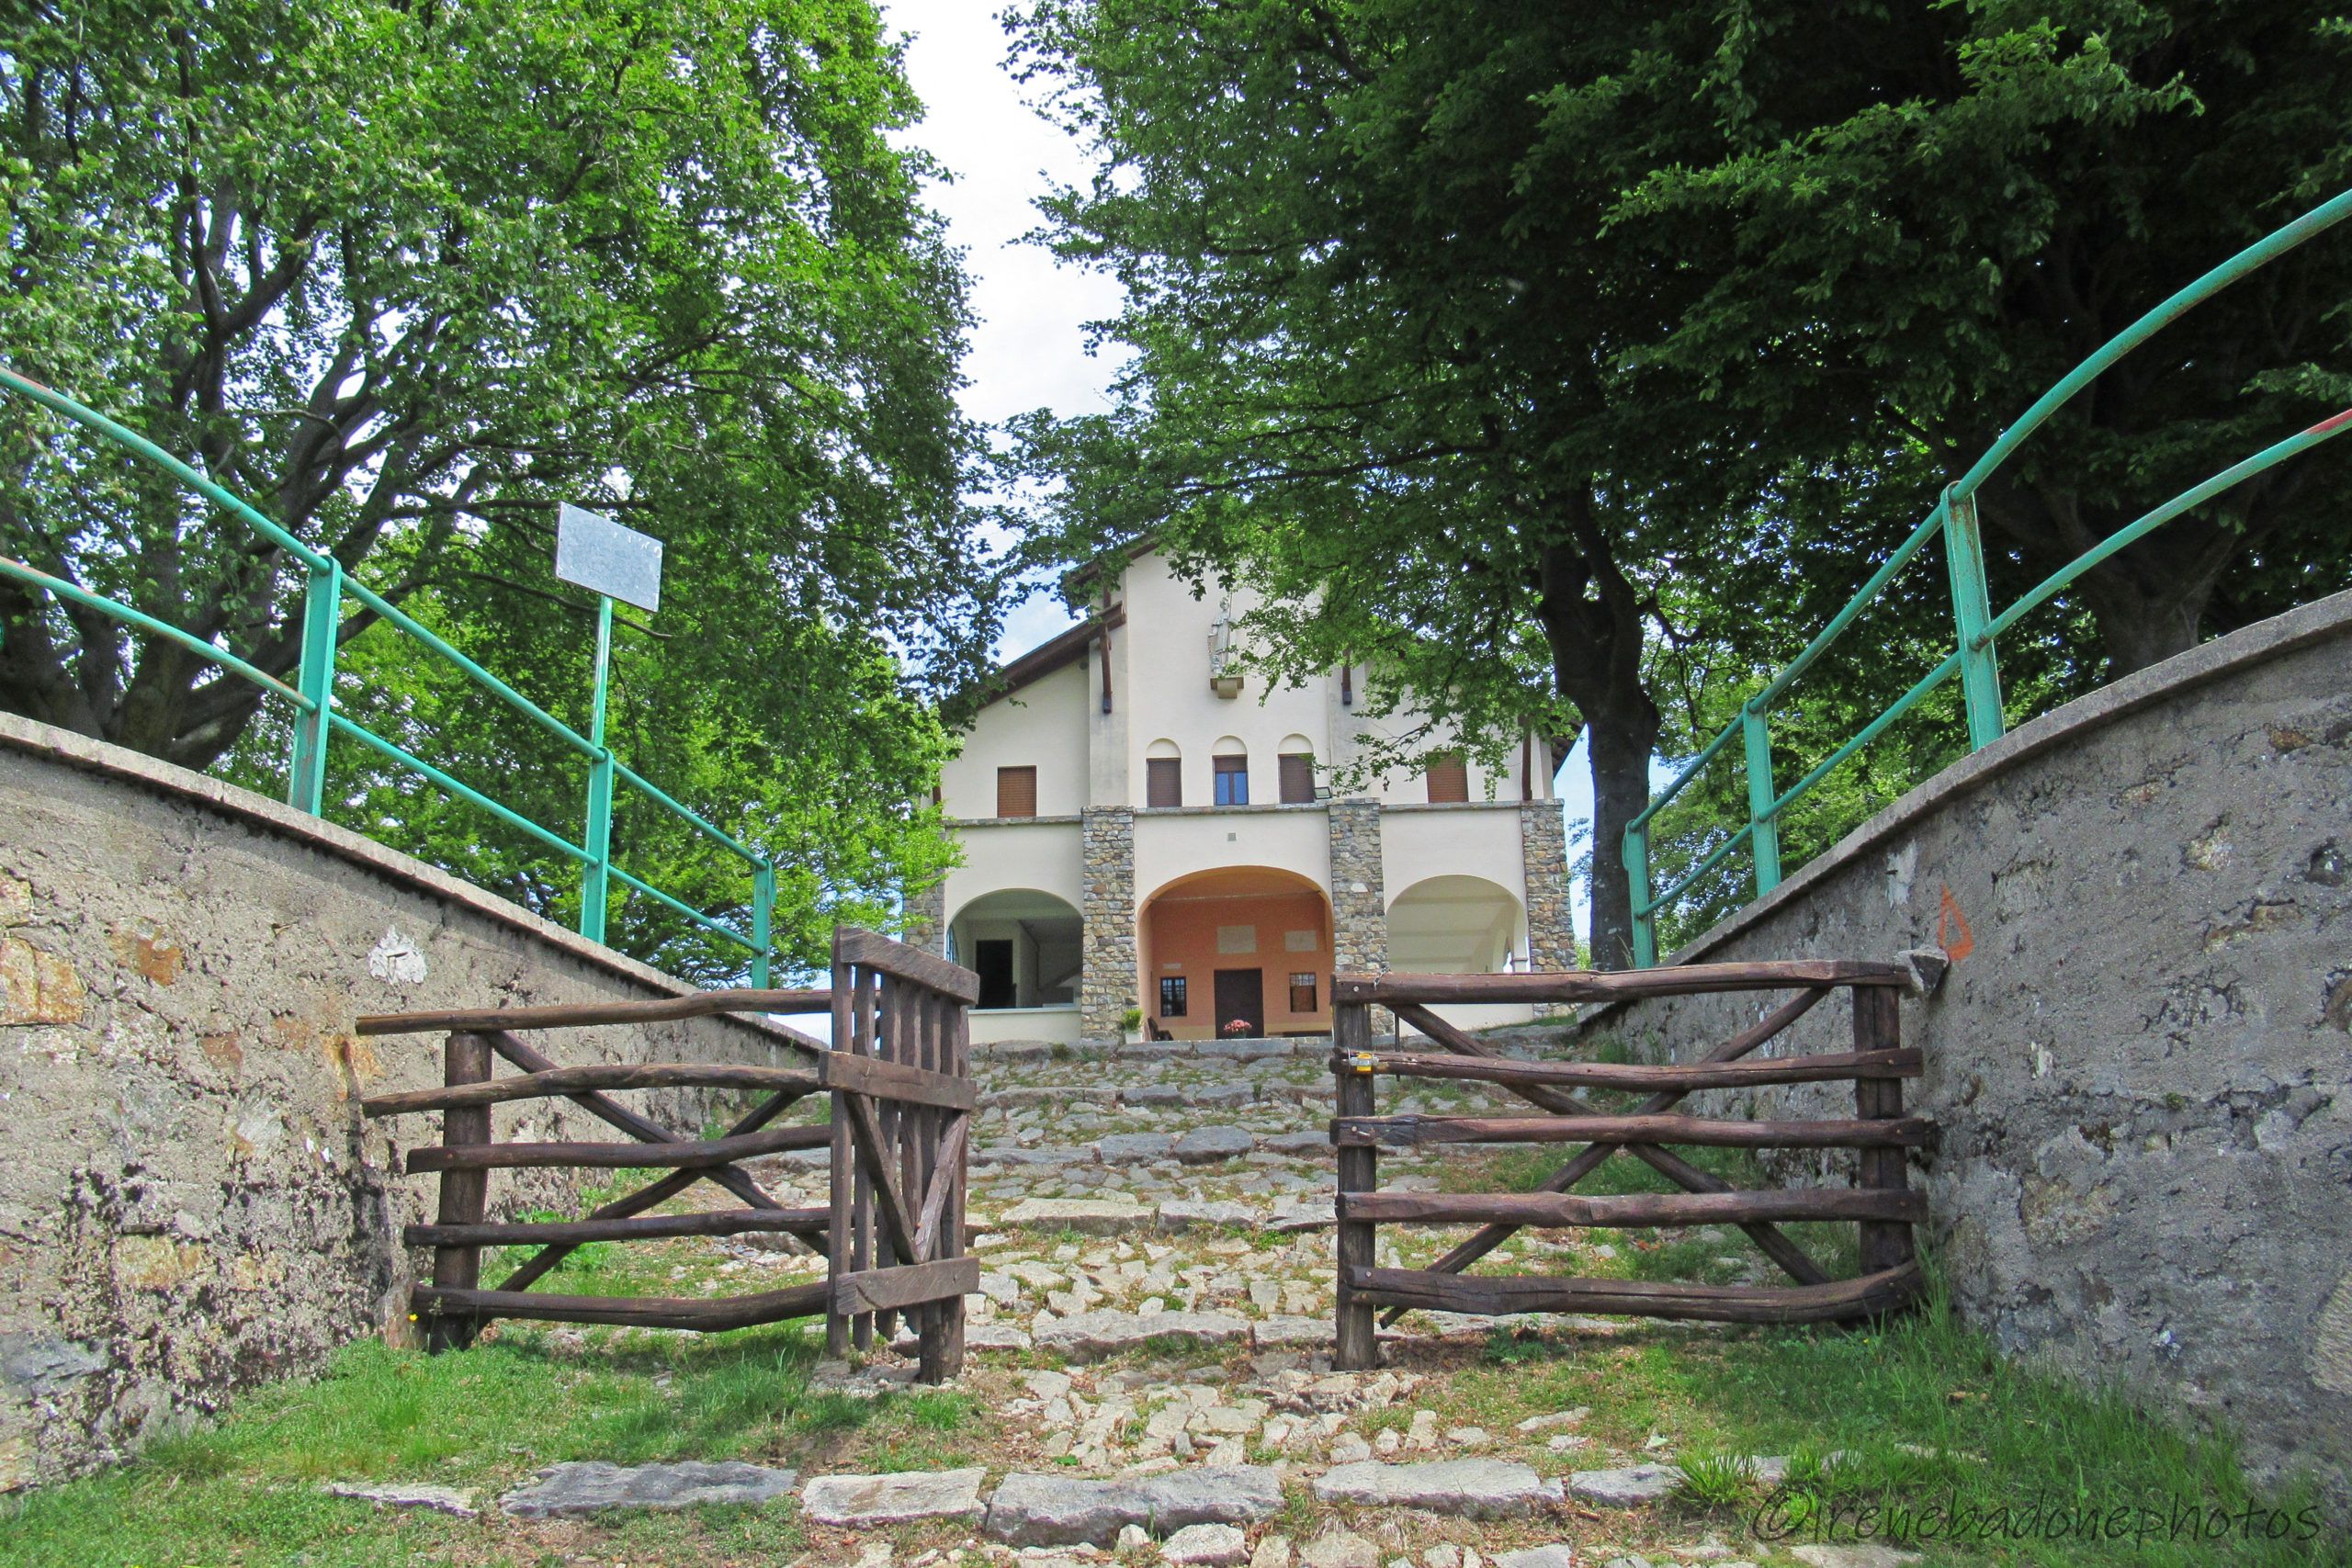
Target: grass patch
{"points": [[247, 1492]]}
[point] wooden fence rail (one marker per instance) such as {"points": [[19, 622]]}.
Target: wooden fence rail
{"points": [[1880, 1201], [898, 1084]]}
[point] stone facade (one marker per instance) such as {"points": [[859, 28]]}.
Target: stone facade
{"points": [[1544, 851], [927, 918], [1359, 915], [193, 1204], [2138, 1059], [1359, 921], [1107, 984]]}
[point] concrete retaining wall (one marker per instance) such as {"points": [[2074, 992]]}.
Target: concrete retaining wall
{"points": [[2140, 1057], [190, 1203]]}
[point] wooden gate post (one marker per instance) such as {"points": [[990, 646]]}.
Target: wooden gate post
{"points": [[837, 1188], [1877, 1026], [464, 1195], [1357, 1339]]}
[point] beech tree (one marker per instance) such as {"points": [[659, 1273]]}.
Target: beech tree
{"points": [[406, 277], [1487, 332]]}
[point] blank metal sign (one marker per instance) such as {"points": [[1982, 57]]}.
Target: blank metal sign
{"points": [[604, 557]]}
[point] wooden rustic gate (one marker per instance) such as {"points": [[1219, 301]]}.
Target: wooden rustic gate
{"points": [[1880, 1201], [899, 1080]]}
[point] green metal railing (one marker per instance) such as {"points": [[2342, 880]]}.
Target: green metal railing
{"points": [[315, 720], [1972, 658]]}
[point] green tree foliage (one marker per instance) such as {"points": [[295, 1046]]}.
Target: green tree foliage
{"points": [[1610, 345], [406, 276]]}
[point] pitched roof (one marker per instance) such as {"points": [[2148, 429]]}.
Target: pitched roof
{"points": [[1033, 666]]}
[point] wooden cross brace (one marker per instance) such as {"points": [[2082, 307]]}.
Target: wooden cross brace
{"points": [[646, 1130], [1775, 1243]]}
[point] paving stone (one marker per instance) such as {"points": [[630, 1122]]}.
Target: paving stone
{"points": [[1466, 1488], [995, 1337], [1863, 1555], [1554, 1556], [1314, 1214], [1337, 1548], [1297, 1144], [1556, 1418], [988, 1155], [1203, 1145], [1188, 1213], [1088, 1216], [1055, 1510], [590, 1484], [1273, 1551], [1630, 1487], [858, 1501], [1208, 1546], [1292, 1333], [405, 1494], [1139, 1148], [1251, 1050], [1091, 1335]]}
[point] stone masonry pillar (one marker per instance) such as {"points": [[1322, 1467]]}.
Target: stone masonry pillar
{"points": [[1107, 983], [1359, 917], [927, 918], [1543, 856]]}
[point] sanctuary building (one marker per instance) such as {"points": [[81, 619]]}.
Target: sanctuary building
{"points": [[1145, 826]]}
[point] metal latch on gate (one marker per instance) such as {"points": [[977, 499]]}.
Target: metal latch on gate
{"points": [[1358, 1062]]}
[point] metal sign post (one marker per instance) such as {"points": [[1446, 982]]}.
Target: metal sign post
{"points": [[614, 562]]}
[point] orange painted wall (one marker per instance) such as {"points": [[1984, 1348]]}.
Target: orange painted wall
{"points": [[1182, 932]]}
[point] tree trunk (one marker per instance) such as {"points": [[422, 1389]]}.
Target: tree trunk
{"points": [[1622, 745], [1592, 621]]}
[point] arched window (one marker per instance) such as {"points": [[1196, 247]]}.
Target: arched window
{"points": [[1163, 774], [1296, 762], [1229, 764]]}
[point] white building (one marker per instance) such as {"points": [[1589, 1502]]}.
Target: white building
{"points": [[1143, 828]]}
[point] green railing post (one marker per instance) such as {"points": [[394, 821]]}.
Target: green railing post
{"points": [[596, 876], [1971, 610], [306, 770], [1764, 829], [762, 908], [1637, 895]]}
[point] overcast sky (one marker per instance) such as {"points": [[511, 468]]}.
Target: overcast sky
{"points": [[1029, 348]]}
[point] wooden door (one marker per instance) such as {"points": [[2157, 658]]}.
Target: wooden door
{"points": [[1240, 993]]}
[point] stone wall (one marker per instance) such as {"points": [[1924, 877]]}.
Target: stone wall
{"points": [[1107, 981], [1544, 852], [2141, 1057], [192, 1203]]}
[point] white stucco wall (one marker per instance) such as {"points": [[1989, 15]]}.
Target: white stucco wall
{"points": [[1167, 634], [1043, 855], [1460, 841], [1170, 845], [1042, 726]]}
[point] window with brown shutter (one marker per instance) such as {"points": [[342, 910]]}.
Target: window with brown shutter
{"points": [[1298, 777], [1163, 781], [1016, 792], [1302, 992], [1449, 780]]}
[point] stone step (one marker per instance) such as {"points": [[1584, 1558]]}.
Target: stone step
{"points": [[1210, 1145], [1127, 1216]]}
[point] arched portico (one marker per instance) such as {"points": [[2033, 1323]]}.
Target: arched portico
{"points": [[1025, 946], [1455, 925], [1248, 945]]}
